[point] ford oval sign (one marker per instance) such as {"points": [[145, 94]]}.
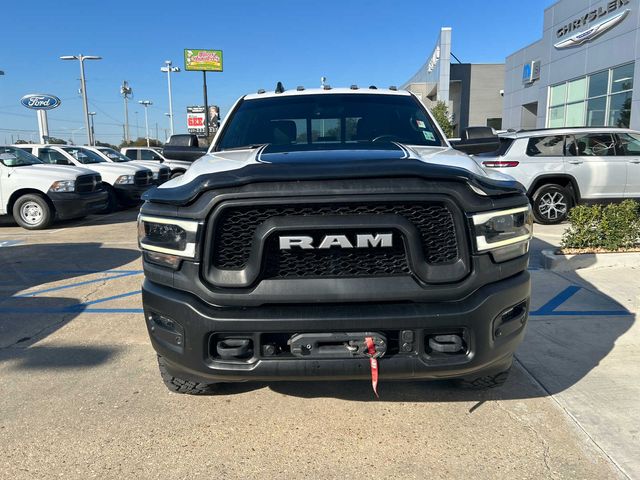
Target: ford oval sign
{"points": [[40, 101]]}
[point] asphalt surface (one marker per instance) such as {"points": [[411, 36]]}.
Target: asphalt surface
{"points": [[81, 396]]}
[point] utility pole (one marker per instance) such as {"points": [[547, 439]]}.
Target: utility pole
{"points": [[126, 91], [137, 127], [93, 130], [206, 105], [81, 58], [146, 104], [157, 136], [168, 68]]}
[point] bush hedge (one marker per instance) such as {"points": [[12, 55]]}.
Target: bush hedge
{"points": [[611, 227]]}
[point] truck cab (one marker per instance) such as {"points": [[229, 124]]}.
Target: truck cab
{"points": [[36, 194]]}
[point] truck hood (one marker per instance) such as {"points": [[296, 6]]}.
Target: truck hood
{"points": [[116, 168], [369, 160], [46, 171], [150, 164]]}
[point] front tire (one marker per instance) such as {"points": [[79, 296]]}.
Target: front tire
{"points": [[112, 200], [180, 385], [32, 212], [551, 204]]}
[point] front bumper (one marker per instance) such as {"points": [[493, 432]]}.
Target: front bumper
{"points": [[74, 205], [130, 193], [189, 353]]}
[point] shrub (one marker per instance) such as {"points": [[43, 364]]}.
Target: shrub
{"points": [[611, 227]]}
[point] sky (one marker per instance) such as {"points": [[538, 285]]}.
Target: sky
{"points": [[350, 42]]}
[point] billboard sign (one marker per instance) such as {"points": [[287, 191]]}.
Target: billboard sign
{"points": [[39, 101], [202, 60], [195, 120]]}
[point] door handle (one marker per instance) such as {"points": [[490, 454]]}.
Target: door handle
{"points": [[636, 161], [575, 162]]}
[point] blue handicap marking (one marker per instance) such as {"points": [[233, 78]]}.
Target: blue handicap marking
{"points": [[10, 243], [551, 307]]}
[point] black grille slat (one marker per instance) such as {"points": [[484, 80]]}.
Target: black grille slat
{"points": [[88, 183], [235, 227], [164, 175]]}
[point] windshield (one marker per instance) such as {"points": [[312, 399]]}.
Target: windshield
{"points": [[84, 156], [114, 155], [15, 157], [326, 120]]}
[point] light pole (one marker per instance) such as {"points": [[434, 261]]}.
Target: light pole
{"points": [[85, 103], [145, 104], [168, 68], [170, 116], [93, 130]]}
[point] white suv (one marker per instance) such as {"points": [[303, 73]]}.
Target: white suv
{"points": [[563, 167], [36, 193], [125, 183]]}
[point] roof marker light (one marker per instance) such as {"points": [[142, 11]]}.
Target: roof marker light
{"points": [[393, 87], [261, 91], [373, 87], [354, 87], [299, 88]]}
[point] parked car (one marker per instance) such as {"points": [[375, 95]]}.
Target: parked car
{"points": [[160, 173], [328, 230], [124, 183], [178, 154], [563, 167], [36, 193]]}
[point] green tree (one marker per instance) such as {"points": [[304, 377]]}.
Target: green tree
{"points": [[441, 114]]}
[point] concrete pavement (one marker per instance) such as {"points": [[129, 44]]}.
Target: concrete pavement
{"points": [[82, 398]]}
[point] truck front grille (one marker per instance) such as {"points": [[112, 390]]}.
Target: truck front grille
{"points": [[164, 175], [143, 178], [88, 183], [235, 228]]}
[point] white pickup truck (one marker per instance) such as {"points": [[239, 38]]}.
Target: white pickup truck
{"points": [[36, 194], [124, 183], [160, 173]]}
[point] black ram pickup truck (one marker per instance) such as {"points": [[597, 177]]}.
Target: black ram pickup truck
{"points": [[328, 228]]}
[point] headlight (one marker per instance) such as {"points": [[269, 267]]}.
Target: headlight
{"points": [[155, 175], [505, 233], [169, 239], [125, 180], [63, 186]]}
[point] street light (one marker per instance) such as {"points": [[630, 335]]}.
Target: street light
{"points": [[93, 130], [168, 68], [85, 103], [145, 104]]}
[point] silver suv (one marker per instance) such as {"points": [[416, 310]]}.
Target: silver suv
{"points": [[562, 167]]}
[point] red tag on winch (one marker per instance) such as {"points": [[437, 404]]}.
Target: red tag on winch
{"points": [[373, 363]]}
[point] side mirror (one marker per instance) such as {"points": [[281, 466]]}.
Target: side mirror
{"points": [[477, 140]]}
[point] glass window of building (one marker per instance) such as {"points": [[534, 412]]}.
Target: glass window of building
{"points": [[600, 99]]}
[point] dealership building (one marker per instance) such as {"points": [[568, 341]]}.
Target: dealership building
{"points": [[582, 71], [472, 92]]}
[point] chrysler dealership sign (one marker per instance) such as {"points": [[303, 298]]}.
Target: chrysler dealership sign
{"points": [[595, 23]]}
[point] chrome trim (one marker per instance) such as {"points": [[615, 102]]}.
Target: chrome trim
{"points": [[188, 252], [483, 245]]}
